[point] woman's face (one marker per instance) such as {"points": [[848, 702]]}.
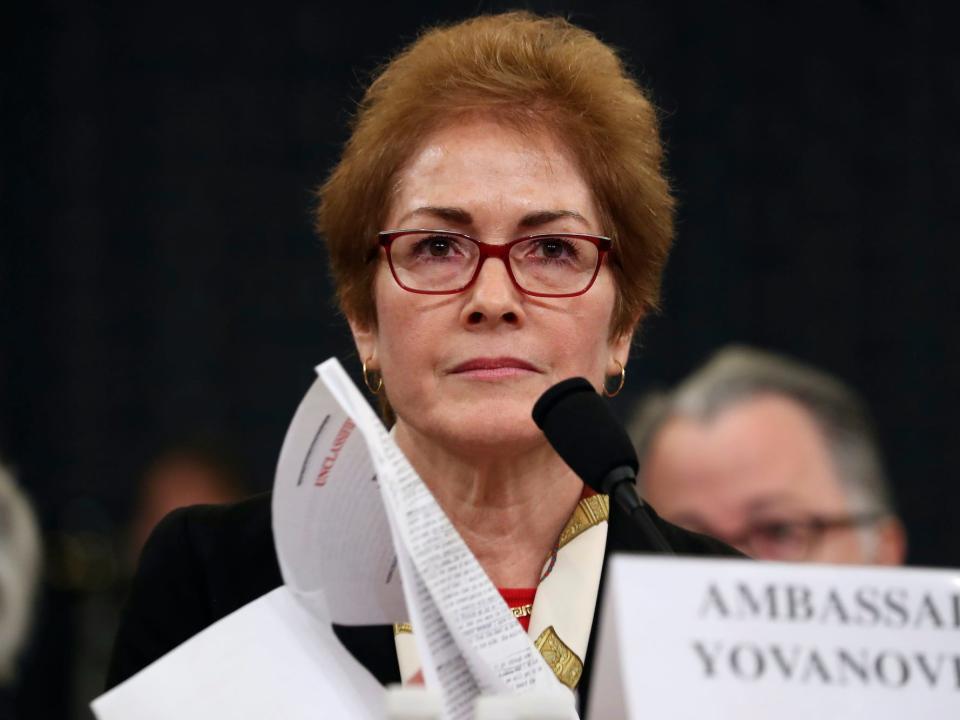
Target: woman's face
{"points": [[466, 369]]}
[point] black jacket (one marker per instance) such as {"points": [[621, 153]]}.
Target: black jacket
{"points": [[203, 562]]}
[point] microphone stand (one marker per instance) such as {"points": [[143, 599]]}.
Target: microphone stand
{"points": [[619, 485]]}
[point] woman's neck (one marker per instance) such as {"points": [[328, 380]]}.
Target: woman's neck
{"points": [[509, 510]]}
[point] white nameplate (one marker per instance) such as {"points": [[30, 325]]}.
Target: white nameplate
{"points": [[686, 638]]}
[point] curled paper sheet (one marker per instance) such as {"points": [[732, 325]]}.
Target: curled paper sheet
{"points": [[331, 534]]}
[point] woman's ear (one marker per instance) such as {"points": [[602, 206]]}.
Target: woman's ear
{"points": [[619, 351], [365, 338]]}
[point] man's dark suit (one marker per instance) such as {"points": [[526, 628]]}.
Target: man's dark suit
{"points": [[203, 562]]}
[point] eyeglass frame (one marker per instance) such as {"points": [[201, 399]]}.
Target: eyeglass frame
{"points": [[816, 526], [603, 244]]}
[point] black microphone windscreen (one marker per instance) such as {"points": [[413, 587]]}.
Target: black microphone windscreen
{"points": [[582, 428]]}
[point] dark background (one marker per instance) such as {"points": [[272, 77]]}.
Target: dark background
{"points": [[159, 278]]}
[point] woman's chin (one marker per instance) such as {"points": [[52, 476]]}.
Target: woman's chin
{"points": [[502, 425]]}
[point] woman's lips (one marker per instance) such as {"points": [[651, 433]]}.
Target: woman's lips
{"points": [[494, 368]]}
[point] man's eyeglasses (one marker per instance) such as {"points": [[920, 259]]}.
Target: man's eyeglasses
{"points": [[442, 262], [794, 540]]}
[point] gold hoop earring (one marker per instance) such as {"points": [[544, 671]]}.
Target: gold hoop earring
{"points": [[366, 379], [623, 379]]}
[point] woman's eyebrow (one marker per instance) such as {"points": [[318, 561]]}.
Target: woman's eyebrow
{"points": [[460, 216], [542, 217], [455, 215]]}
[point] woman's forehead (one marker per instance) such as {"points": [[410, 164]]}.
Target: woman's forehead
{"points": [[493, 173]]}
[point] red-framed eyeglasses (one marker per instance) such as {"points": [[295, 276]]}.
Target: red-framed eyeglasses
{"points": [[443, 262]]}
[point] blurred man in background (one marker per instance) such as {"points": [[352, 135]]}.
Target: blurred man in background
{"points": [[19, 573], [774, 457], [185, 474]]}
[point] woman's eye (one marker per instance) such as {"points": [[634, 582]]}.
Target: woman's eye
{"points": [[554, 248], [436, 246]]}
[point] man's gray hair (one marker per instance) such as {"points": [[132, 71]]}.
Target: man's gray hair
{"points": [[19, 570], [736, 374]]}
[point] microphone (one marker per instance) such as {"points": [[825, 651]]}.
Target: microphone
{"points": [[584, 432]]}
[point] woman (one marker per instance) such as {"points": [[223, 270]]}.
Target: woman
{"points": [[498, 222]]}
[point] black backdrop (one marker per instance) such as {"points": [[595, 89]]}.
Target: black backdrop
{"points": [[160, 279]]}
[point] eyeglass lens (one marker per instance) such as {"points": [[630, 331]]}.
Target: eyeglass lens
{"points": [[779, 541], [795, 539], [440, 262]]}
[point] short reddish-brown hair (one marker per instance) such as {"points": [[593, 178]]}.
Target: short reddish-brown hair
{"points": [[533, 73]]}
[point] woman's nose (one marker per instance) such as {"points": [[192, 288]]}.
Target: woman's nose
{"points": [[493, 297]]}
